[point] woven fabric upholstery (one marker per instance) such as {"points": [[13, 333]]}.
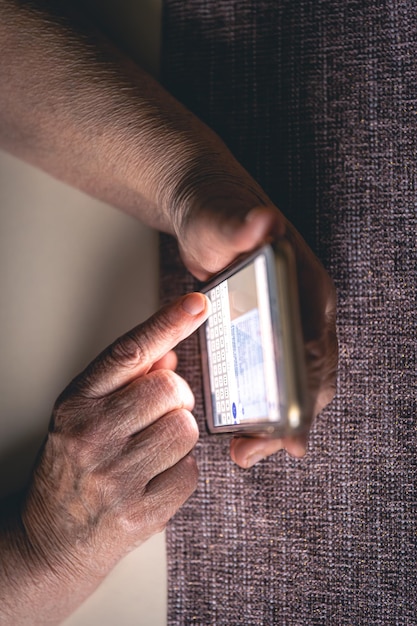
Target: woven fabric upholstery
{"points": [[318, 100]]}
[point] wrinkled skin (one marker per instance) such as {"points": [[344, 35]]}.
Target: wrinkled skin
{"points": [[122, 138], [115, 467], [116, 463]]}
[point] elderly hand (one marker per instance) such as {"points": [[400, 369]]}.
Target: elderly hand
{"points": [[115, 467], [85, 113]]}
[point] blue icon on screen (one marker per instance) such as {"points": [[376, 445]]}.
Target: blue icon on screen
{"points": [[234, 410]]}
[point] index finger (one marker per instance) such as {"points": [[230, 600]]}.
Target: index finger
{"points": [[133, 354]]}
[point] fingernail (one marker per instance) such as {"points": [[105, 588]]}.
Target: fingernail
{"points": [[254, 458], [194, 303]]}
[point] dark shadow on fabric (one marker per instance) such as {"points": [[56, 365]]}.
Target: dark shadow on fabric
{"points": [[255, 121]]}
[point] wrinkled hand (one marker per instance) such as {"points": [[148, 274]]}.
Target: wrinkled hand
{"points": [[116, 465], [216, 224], [119, 136]]}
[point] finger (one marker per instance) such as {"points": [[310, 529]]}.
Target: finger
{"points": [[215, 239], [135, 353], [161, 445], [152, 506], [325, 389], [167, 492], [246, 451], [145, 400], [322, 364], [317, 296], [168, 362]]}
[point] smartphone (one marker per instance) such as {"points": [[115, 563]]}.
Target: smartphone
{"points": [[252, 350]]}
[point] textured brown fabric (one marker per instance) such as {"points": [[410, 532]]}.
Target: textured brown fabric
{"points": [[319, 101]]}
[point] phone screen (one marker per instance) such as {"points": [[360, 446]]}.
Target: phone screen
{"points": [[240, 348]]}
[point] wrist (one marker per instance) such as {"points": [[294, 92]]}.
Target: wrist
{"points": [[205, 179], [41, 580]]}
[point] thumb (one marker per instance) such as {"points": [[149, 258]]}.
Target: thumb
{"points": [[212, 240], [133, 354]]}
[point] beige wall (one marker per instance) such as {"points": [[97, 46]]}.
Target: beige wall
{"points": [[74, 274]]}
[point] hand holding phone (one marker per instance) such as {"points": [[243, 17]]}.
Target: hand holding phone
{"points": [[252, 349]]}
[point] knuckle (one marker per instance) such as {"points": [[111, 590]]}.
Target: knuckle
{"points": [[129, 350], [168, 380], [186, 426], [68, 414], [131, 524], [173, 438], [174, 388], [179, 432], [188, 476]]}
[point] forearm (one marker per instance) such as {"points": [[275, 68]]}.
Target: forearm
{"points": [[33, 589], [73, 105], [23, 585]]}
